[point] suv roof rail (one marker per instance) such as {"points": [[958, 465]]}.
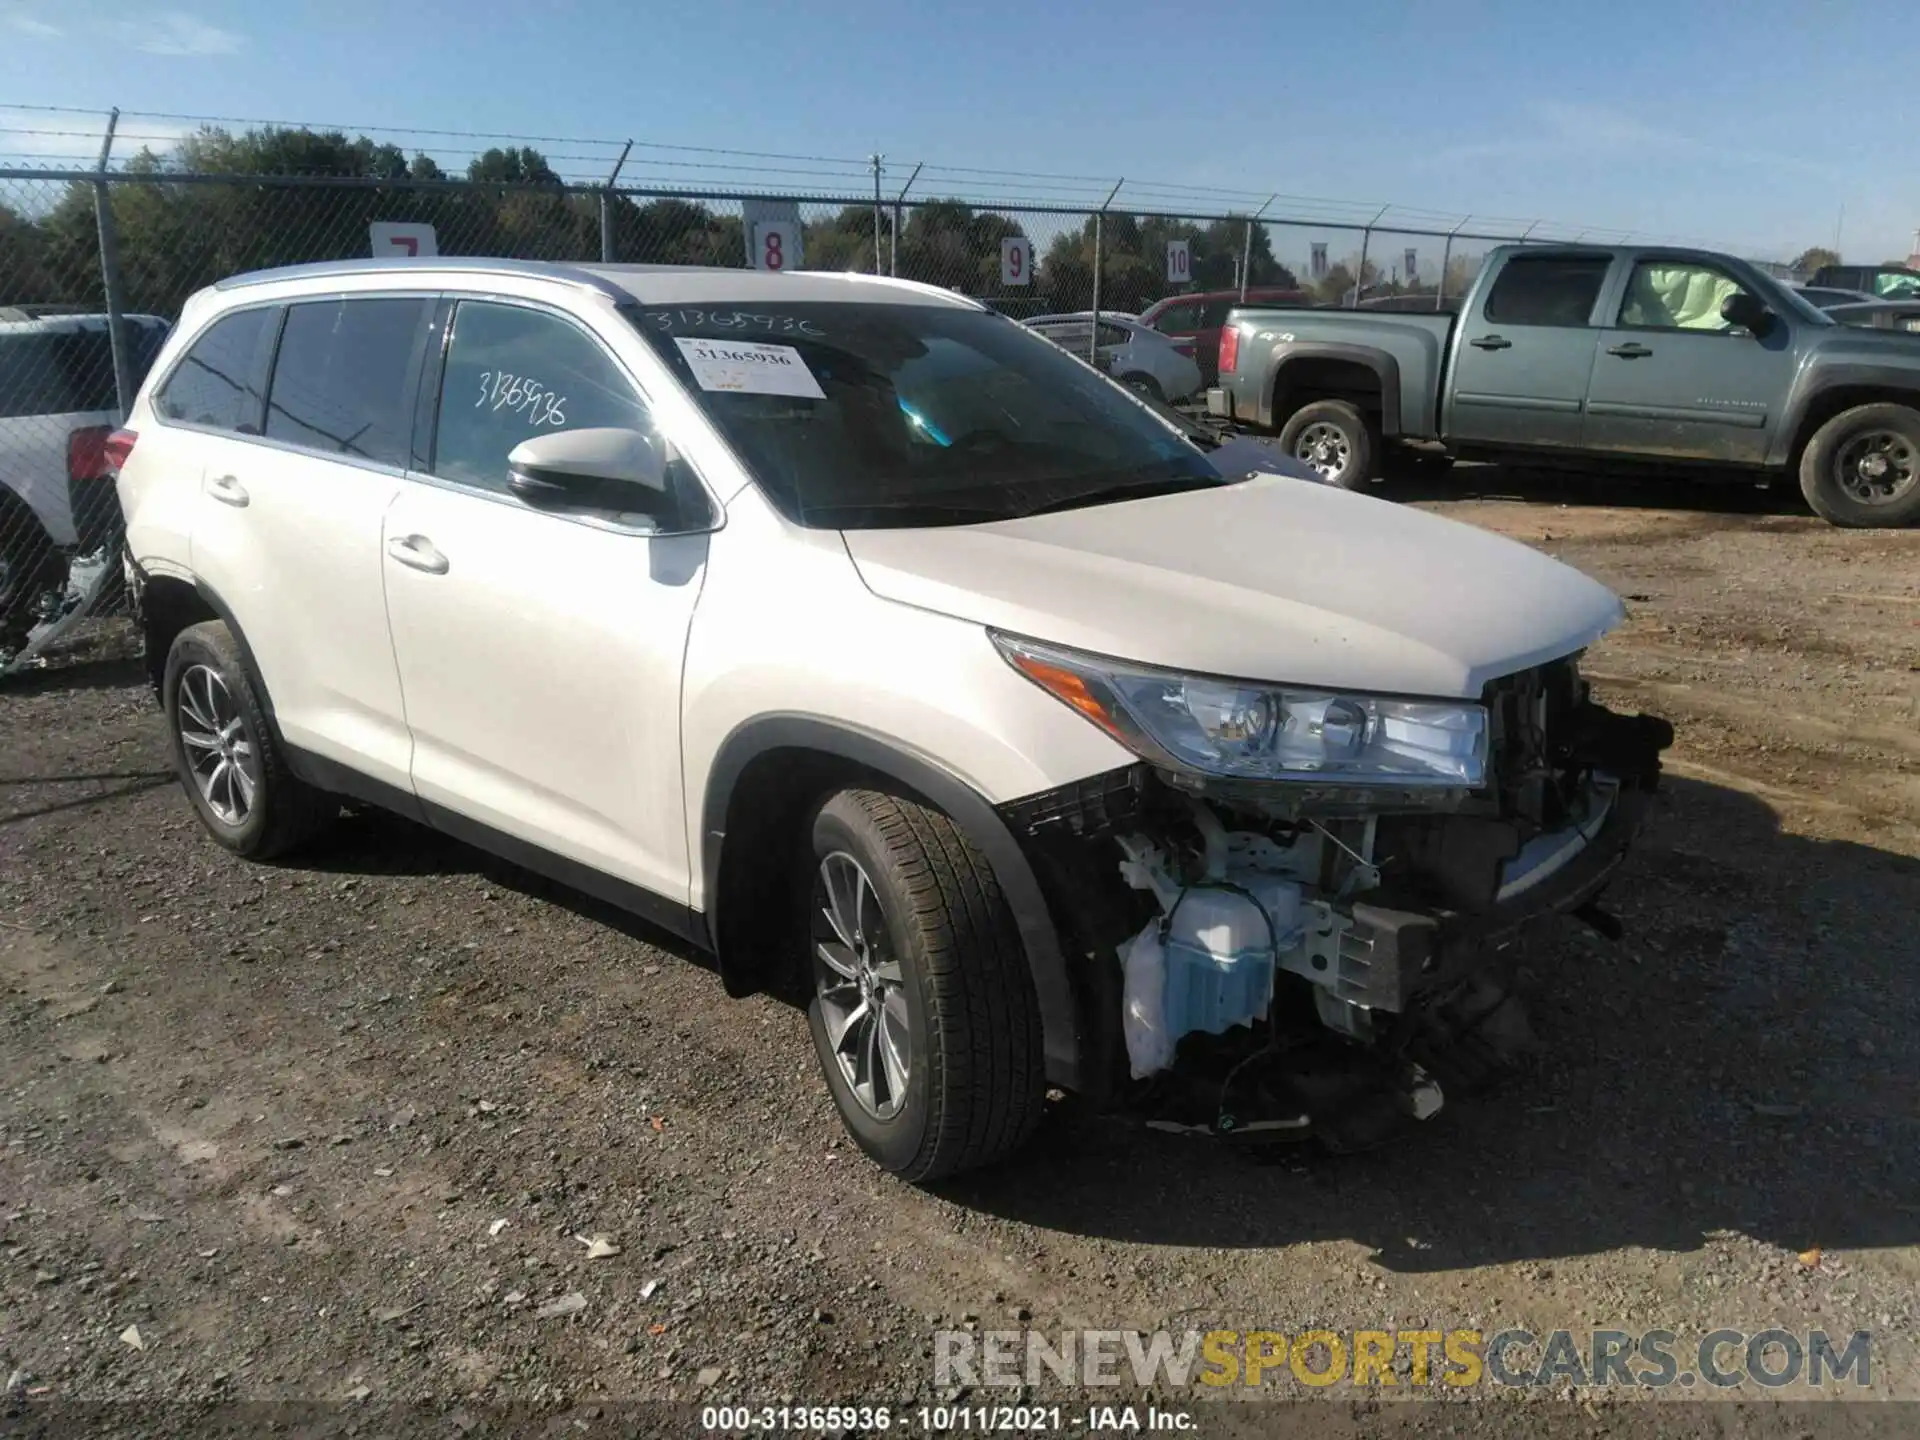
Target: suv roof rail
{"points": [[474, 264]]}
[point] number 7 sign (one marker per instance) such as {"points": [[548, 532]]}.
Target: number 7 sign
{"points": [[401, 238]]}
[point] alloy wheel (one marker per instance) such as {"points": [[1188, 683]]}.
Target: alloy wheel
{"points": [[1324, 448], [861, 987], [219, 748]]}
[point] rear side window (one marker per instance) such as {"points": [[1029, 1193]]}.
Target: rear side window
{"points": [[1548, 290], [214, 382], [513, 373], [341, 381]]}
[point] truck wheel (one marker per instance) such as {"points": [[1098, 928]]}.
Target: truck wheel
{"points": [[1335, 438], [923, 1011], [1862, 468], [225, 754], [31, 567]]}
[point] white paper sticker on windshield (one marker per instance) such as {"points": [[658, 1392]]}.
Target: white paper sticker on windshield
{"points": [[749, 367]]}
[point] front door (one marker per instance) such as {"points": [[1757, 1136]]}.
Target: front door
{"points": [[1522, 357], [540, 653], [1672, 380]]}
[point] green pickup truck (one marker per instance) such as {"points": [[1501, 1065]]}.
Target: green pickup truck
{"points": [[1597, 355]]}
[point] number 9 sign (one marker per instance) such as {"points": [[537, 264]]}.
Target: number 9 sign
{"points": [[776, 246], [1016, 260]]}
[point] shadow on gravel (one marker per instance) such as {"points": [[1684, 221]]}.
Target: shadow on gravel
{"points": [[115, 673], [122, 785], [1554, 486], [1745, 1060], [376, 842]]}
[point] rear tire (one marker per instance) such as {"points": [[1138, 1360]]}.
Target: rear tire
{"points": [[1145, 384], [1336, 438], [1862, 468], [951, 1076], [31, 567], [225, 753]]}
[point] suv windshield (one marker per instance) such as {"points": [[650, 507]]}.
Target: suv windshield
{"points": [[866, 416]]}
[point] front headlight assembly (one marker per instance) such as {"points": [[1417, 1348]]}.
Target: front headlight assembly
{"points": [[1246, 731]]}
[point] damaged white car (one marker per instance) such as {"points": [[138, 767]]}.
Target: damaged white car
{"points": [[866, 640]]}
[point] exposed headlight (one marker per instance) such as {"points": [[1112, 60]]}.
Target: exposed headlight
{"points": [[1250, 731]]}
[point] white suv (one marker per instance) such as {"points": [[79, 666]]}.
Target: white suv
{"points": [[855, 633]]}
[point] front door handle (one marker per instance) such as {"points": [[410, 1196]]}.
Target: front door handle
{"points": [[1491, 342], [417, 552], [228, 491], [1629, 351]]}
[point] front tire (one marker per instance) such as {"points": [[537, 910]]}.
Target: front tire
{"points": [[1862, 468], [224, 751], [1335, 438], [923, 1014]]}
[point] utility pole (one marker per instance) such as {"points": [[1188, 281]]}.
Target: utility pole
{"points": [[878, 160]]}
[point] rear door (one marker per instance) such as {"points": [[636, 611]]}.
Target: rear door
{"points": [[287, 529], [1672, 380], [1523, 355]]}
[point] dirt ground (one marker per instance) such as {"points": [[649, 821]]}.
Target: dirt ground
{"points": [[339, 1130]]}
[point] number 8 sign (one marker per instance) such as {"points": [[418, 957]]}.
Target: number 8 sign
{"points": [[776, 246], [1016, 260]]}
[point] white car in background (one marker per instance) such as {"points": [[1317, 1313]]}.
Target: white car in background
{"points": [[57, 407], [1138, 357]]}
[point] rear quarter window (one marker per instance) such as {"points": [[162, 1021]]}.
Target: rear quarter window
{"points": [[214, 384]]}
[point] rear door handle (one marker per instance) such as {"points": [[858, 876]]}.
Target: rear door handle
{"points": [[228, 491], [1629, 351], [1491, 342], [417, 552]]}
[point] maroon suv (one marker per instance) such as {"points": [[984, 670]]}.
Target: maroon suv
{"points": [[1193, 320]]}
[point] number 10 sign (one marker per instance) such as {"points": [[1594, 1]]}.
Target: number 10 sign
{"points": [[1179, 263]]}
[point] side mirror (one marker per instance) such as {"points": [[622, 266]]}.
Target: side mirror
{"points": [[594, 469], [1746, 310]]}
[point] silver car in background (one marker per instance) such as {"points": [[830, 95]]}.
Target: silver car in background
{"points": [[1140, 358]]}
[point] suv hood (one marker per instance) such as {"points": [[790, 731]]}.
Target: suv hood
{"points": [[1270, 579]]}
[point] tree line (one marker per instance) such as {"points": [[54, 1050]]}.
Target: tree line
{"points": [[177, 235]]}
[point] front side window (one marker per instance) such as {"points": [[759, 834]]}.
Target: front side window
{"points": [[341, 379], [214, 384], [1670, 295], [863, 415], [514, 373], [1557, 290]]}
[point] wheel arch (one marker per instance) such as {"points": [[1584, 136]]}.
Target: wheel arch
{"points": [[1367, 377], [765, 777], [1823, 404]]}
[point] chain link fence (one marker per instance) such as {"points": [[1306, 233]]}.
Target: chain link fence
{"points": [[95, 264]]}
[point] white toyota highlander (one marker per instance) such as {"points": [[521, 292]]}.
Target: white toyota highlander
{"points": [[857, 635]]}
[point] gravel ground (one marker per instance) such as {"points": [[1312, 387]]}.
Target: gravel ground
{"points": [[343, 1130]]}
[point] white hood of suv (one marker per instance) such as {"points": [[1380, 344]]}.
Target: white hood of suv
{"points": [[1271, 579]]}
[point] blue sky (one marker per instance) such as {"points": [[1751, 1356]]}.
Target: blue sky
{"points": [[1748, 123]]}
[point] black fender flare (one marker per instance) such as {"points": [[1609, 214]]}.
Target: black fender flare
{"points": [[1385, 368], [939, 787], [1901, 384]]}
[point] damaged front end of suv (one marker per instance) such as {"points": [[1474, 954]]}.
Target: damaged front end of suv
{"points": [[1289, 916]]}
